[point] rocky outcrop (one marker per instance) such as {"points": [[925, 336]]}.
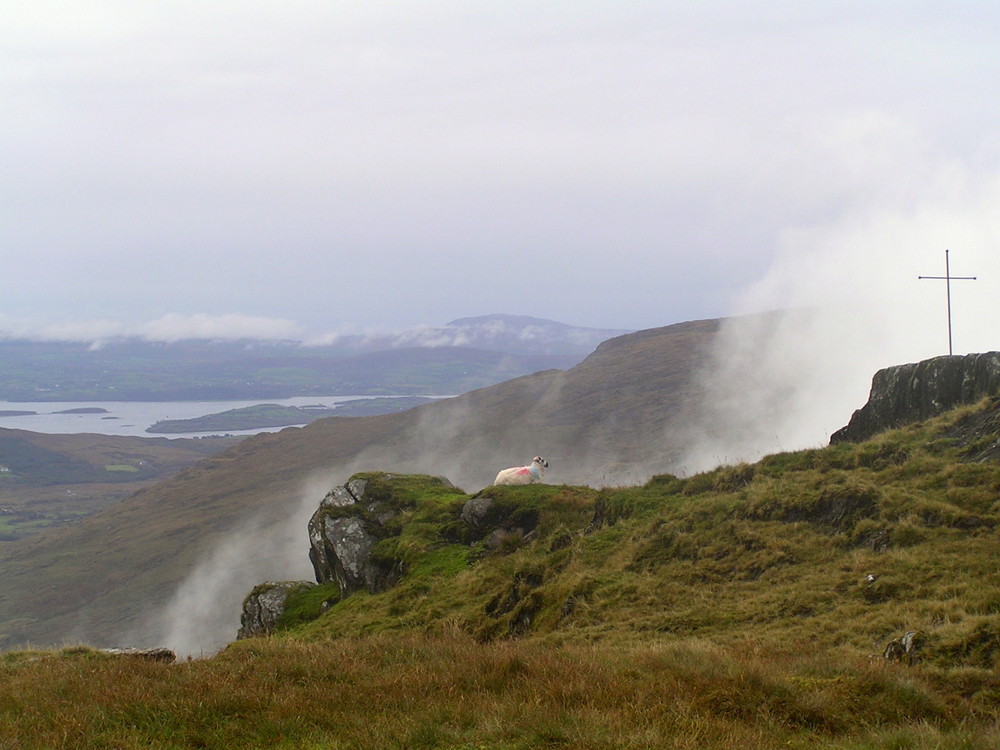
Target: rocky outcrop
{"points": [[346, 529], [353, 546], [917, 391], [497, 520], [265, 605], [339, 541]]}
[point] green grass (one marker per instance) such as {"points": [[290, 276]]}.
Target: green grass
{"points": [[780, 549], [306, 603], [729, 608]]}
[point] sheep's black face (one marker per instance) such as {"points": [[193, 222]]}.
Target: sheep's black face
{"points": [[539, 460]]}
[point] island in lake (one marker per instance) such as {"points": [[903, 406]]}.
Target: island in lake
{"points": [[264, 416], [78, 410]]}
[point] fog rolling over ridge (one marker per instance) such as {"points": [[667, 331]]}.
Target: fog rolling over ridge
{"points": [[199, 617], [854, 304], [844, 301], [675, 399], [598, 423]]}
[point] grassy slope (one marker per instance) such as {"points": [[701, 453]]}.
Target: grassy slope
{"points": [[778, 551], [729, 608], [103, 573]]}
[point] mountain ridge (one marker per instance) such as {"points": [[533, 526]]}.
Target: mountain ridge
{"points": [[107, 572], [474, 353]]}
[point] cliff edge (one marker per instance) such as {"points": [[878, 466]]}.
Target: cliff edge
{"points": [[917, 391]]}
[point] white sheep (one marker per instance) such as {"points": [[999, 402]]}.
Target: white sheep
{"points": [[531, 474]]}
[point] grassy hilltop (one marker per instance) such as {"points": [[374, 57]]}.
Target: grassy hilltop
{"points": [[749, 606]]}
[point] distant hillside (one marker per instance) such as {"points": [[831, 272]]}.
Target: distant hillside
{"points": [[52, 480], [605, 421], [511, 334], [274, 415], [466, 354], [523, 334]]}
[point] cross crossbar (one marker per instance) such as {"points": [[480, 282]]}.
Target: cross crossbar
{"points": [[948, 278]]}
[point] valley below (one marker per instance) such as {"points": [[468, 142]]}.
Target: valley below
{"points": [[48, 481]]}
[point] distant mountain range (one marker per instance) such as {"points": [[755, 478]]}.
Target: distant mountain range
{"points": [[511, 334], [465, 354]]}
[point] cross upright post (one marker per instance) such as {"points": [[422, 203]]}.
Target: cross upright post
{"points": [[948, 278]]}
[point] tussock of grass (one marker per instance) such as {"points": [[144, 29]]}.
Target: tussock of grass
{"points": [[449, 691], [306, 603]]}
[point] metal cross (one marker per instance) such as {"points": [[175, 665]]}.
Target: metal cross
{"points": [[948, 278]]}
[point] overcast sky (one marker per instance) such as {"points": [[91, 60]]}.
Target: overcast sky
{"points": [[302, 167]]}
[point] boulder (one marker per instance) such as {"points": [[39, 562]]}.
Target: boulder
{"points": [[265, 605], [498, 517], [918, 391], [475, 512], [345, 529]]}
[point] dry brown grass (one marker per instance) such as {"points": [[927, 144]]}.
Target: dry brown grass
{"points": [[451, 692]]}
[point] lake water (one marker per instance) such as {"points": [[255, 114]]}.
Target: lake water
{"points": [[133, 417]]}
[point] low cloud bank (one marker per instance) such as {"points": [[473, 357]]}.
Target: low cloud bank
{"points": [[787, 381], [168, 329]]}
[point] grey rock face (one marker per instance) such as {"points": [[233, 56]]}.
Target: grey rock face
{"points": [[913, 392], [265, 605], [342, 534], [475, 510]]}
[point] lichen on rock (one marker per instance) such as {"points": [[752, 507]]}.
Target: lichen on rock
{"points": [[499, 518], [264, 606], [345, 530]]}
